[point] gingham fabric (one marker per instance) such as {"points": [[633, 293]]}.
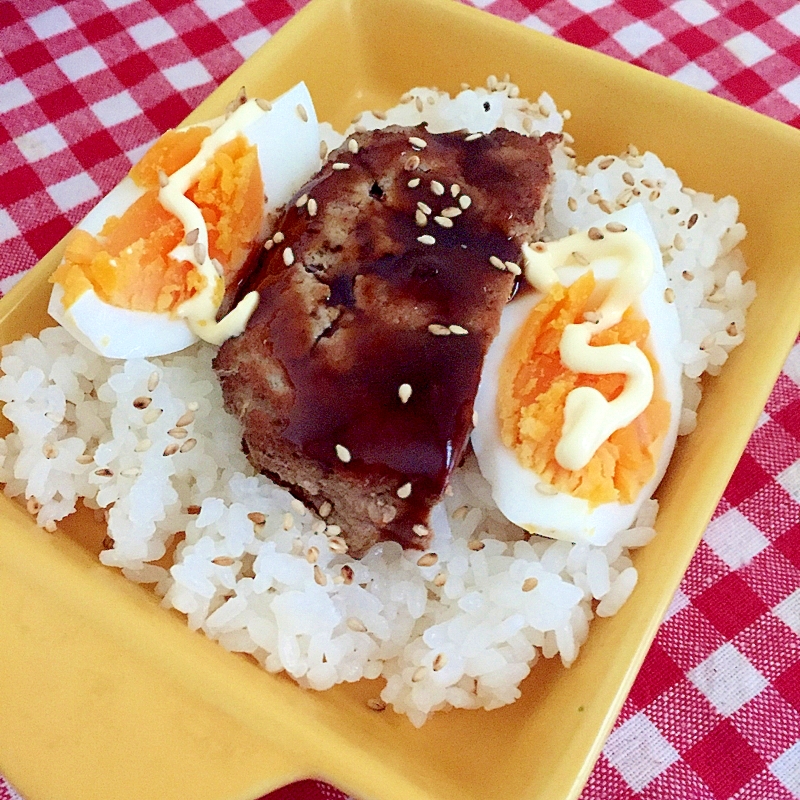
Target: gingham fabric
{"points": [[85, 86]]}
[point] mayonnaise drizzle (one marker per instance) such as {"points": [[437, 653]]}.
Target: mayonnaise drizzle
{"points": [[589, 419], [200, 310]]}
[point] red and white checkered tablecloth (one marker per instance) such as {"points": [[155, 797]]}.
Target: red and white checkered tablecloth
{"points": [[86, 85]]}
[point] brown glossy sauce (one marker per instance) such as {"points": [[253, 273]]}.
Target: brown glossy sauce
{"points": [[387, 288]]}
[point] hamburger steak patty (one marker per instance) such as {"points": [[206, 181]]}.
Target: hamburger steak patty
{"points": [[380, 294]]}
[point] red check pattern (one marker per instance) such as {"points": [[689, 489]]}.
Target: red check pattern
{"points": [[86, 85]]}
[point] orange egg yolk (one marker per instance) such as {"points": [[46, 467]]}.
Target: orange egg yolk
{"points": [[128, 264], [533, 389]]}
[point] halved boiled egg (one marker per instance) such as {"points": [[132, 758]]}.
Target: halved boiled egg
{"points": [[553, 470], [146, 272]]}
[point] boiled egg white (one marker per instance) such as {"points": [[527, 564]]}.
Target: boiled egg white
{"points": [[526, 498], [287, 137]]}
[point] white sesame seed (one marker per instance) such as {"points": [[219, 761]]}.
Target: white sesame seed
{"points": [[312, 207], [438, 330], [325, 509], [404, 392], [302, 200], [352, 146], [163, 178], [458, 330], [151, 415], [497, 263], [263, 104], [301, 112], [298, 506], [451, 211], [415, 141], [426, 239], [427, 560], [288, 256], [343, 453], [404, 491], [460, 513], [546, 489], [356, 625], [594, 234], [437, 188], [465, 201], [420, 530], [278, 237], [445, 222], [413, 183], [323, 150], [513, 268], [185, 419], [580, 258], [339, 165], [424, 207], [472, 137], [420, 218], [455, 190]]}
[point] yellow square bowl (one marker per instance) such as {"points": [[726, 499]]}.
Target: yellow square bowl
{"points": [[103, 694]]}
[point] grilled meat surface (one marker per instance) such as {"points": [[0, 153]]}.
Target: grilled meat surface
{"points": [[380, 294]]}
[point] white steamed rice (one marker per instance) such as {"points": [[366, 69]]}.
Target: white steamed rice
{"points": [[460, 626]]}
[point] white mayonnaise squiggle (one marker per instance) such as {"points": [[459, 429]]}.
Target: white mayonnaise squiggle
{"points": [[201, 309], [589, 419]]}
